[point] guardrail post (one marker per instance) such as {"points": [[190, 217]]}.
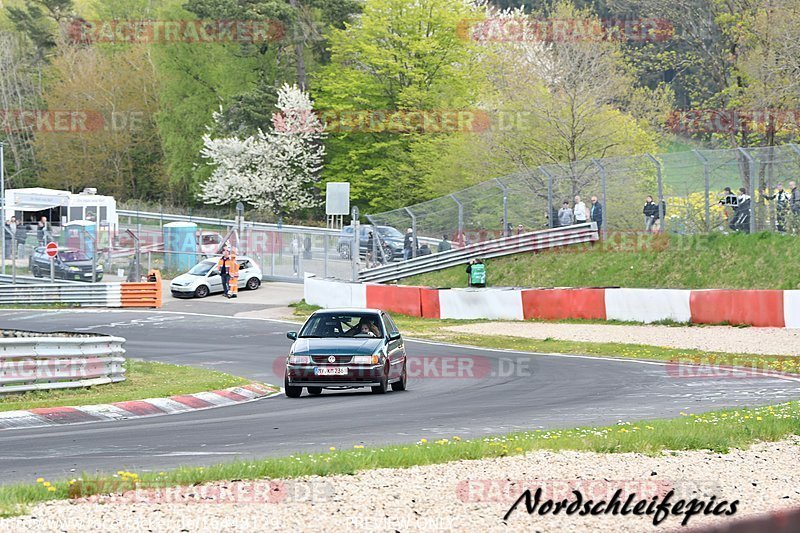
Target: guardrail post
{"points": [[707, 185], [752, 185], [325, 254], [551, 223], [660, 193], [503, 187], [460, 217]]}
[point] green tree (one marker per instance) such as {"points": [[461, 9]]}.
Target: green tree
{"points": [[398, 56]]}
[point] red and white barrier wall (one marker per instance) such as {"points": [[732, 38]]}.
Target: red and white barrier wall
{"points": [[763, 308]]}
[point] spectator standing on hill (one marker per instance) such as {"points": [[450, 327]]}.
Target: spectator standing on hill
{"points": [[741, 213], [782, 202], [650, 214], [444, 244], [408, 243], [580, 211], [794, 206], [596, 213], [476, 273], [565, 215]]}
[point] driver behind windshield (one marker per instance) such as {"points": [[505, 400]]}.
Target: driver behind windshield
{"points": [[365, 326]]}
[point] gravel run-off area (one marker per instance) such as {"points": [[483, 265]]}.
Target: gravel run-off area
{"points": [[461, 496], [766, 341]]}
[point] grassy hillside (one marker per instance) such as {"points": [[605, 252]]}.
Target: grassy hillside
{"points": [[760, 261]]}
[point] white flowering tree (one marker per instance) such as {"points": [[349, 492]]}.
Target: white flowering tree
{"points": [[274, 170]]}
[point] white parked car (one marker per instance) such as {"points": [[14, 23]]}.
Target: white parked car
{"points": [[204, 279]]}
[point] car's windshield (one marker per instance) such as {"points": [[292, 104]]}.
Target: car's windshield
{"points": [[388, 231], [326, 325], [201, 269], [73, 255], [210, 239]]}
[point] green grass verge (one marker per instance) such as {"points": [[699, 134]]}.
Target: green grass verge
{"points": [[145, 379], [759, 261], [718, 431]]}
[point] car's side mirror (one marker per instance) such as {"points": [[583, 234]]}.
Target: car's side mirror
{"points": [[394, 337], [213, 273], [292, 335]]}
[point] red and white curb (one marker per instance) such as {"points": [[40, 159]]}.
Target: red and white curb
{"points": [[55, 416]]}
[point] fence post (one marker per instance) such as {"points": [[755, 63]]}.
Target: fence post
{"points": [[707, 182], [752, 183], [460, 216], [413, 232], [550, 222], [602, 170], [505, 206], [325, 254], [660, 193]]}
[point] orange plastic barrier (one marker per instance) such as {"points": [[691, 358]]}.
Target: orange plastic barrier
{"points": [[395, 299], [762, 308], [145, 294], [564, 303], [429, 300]]}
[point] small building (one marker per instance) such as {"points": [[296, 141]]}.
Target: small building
{"points": [[61, 207]]}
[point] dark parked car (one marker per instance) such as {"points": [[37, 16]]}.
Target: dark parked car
{"points": [[390, 237], [69, 264], [345, 349]]}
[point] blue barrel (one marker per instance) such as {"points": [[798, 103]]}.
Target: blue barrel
{"points": [[180, 246]]}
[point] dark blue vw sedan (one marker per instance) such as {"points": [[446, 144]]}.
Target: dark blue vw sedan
{"points": [[345, 349]]}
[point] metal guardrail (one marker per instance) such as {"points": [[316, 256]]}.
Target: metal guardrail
{"points": [[227, 222], [82, 294], [45, 361], [526, 242], [30, 280]]}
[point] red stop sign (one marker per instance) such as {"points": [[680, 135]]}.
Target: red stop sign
{"points": [[51, 249]]}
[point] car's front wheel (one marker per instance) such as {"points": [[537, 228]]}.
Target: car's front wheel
{"points": [[291, 392], [384, 384], [401, 385], [201, 291], [253, 284], [344, 251]]}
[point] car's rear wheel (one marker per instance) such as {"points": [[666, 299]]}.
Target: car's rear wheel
{"points": [[314, 390], [253, 284], [291, 392], [384, 386], [201, 291], [401, 385], [36, 272]]}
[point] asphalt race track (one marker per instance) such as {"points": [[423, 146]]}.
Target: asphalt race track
{"points": [[504, 391]]}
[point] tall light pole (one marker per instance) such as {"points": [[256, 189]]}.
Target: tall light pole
{"points": [[3, 207]]}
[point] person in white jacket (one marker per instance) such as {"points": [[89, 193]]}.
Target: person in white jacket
{"points": [[580, 211]]}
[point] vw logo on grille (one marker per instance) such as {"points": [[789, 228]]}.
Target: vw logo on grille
{"points": [[331, 359]]}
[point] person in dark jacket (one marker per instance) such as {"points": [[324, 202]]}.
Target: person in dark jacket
{"points": [[371, 251], [444, 244], [408, 244], [794, 206], [650, 212], [741, 213], [596, 212]]}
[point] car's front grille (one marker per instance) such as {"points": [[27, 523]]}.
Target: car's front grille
{"points": [[337, 359]]}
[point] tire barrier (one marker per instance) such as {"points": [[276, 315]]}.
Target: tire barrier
{"points": [[44, 361], [79, 294], [760, 308]]}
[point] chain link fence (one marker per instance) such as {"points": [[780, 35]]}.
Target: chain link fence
{"points": [[687, 189]]}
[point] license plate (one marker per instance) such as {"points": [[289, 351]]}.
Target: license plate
{"points": [[337, 371], [88, 274]]}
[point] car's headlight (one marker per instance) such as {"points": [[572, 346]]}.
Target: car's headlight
{"points": [[365, 360], [74, 269], [99, 267], [299, 359]]}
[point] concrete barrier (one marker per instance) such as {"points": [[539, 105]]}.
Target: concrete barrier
{"points": [[648, 305]]}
